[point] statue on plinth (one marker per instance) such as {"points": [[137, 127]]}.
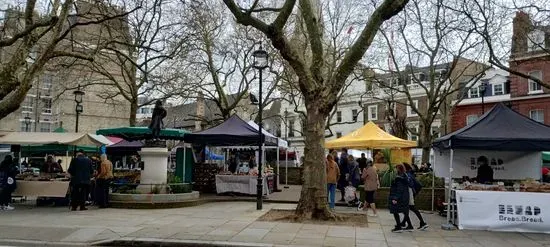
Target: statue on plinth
{"points": [[156, 125]]}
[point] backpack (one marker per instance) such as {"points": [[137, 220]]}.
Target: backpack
{"points": [[414, 184]]}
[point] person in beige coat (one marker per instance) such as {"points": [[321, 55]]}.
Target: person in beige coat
{"points": [[103, 180], [333, 174], [372, 183]]}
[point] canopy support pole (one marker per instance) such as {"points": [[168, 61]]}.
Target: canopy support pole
{"points": [[278, 161], [448, 225], [184, 162], [433, 183], [286, 168]]}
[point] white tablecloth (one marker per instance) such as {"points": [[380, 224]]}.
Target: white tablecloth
{"points": [[41, 188], [239, 184]]}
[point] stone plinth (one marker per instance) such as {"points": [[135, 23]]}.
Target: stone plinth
{"points": [[155, 171]]}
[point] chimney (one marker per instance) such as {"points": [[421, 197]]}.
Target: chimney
{"points": [[200, 111], [521, 27]]}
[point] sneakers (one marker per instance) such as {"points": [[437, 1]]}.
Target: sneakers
{"points": [[7, 208], [360, 206], [423, 226], [373, 215], [409, 228], [397, 229]]}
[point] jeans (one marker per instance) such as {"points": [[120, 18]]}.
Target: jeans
{"points": [[102, 192], [79, 193], [331, 191]]}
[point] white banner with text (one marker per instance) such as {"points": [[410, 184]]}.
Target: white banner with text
{"points": [[503, 211], [506, 165]]}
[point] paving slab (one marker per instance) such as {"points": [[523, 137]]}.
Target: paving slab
{"points": [[339, 242]]}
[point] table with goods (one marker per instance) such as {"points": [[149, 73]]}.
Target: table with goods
{"points": [[245, 183], [31, 184], [521, 206]]}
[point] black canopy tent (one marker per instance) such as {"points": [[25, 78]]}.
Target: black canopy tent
{"points": [[233, 132], [499, 129]]}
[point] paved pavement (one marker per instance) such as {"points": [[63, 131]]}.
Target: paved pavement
{"points": [[228, 222]]}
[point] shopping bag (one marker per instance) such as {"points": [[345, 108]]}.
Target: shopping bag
{"points": [[349, 194]]}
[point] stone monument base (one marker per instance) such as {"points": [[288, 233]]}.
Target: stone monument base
{"points": [[155, 171]]}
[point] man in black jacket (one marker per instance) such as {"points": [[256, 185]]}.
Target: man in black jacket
{"points": [[81, 171]]}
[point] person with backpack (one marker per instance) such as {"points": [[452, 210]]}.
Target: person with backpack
{"points": [[398, 199], [414, 189], [7, 182]]}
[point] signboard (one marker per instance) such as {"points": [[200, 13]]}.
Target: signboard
{"points": [[503, 211], [505, 164]]}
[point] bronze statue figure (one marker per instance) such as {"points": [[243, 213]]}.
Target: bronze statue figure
{"points": [[157, 124]]}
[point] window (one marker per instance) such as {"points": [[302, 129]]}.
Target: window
{"points": [[470, 119], [537, 115], [410, 111], [435, 131], [27, 105], [338, 134], [338, 116], [354, 115], [373, 112], [46, 105], [534, 87], [412, 133], [498, 89], [474, 92], [535, 40], [290, 128], [45, 127], [47, 81]]}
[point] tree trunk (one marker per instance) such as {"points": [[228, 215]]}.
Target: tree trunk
{"points": [[13, 101], [133, 112], [424, 141], [313, 198]]}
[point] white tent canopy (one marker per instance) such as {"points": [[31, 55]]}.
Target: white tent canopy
{"points": [[41, 138], [280, 142]]}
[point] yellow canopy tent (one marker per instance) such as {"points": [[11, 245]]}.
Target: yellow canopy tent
{"points": [[369, 136]]}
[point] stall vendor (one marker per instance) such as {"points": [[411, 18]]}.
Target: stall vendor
{"points": [[484, 172]]}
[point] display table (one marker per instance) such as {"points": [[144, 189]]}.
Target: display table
{"points": [[41, 188], [503, 211], [239, 184]]}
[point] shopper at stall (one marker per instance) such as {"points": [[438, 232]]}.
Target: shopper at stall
{"points": [[48, 165], [399, 199], [103, 180], [372, 183], [414, 188], [344, 171], [233, 163], [59, 167], [7, 182], [425, 167], [80, 171], [333, 174], [362, 162], [484, 171]]}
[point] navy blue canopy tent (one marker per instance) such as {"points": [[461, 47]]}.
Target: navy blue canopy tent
{"points": [[499, 129], [233, 132]]}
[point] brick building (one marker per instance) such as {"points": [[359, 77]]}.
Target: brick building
{"points": [[529, 56]]}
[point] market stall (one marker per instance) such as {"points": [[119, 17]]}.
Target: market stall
{"points": [[509, 145], [234, 132], [47, 185]]}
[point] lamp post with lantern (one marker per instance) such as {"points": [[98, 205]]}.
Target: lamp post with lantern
{"points": [[78, 99], [261, 59]]}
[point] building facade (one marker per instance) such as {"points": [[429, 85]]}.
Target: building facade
{"points": [[50, 103], [530, 57]]}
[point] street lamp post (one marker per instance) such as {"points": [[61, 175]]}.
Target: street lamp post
{"points": [[482, 89], [260, 62], [286, 151], [78, 99], [27, 122]]}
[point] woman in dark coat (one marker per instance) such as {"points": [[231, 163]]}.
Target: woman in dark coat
{"points": [[399, 199]]}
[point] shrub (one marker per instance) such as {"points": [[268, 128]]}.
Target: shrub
{"points": [[426, 180]]}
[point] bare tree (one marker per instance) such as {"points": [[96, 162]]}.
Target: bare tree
{"points": [[136, 58], [318, 82], [428, 38], [29, 42]]}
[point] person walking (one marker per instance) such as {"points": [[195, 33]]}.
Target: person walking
{"points": [[354, 178], [103, 180], [333, 175], [7, 182], [372, 183], [81, 172], [414, 188], [344, 172], [399, 199]]}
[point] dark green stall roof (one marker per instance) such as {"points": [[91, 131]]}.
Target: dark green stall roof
{"points": [[142, 133]]}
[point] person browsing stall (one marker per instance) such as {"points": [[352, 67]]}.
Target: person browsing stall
{"points": [[484, 172]]}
